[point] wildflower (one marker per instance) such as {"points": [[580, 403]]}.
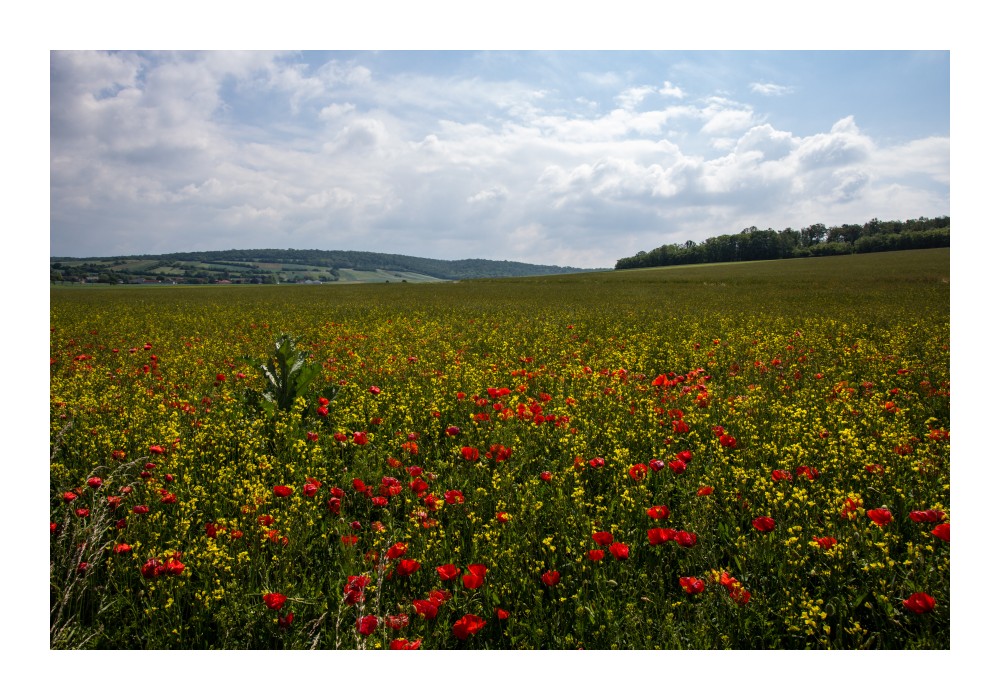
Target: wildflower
{"points": [[781, 475], [69, 496], [808, 472], [919, 603], [452, 431], [374, 390], [156, 450], [476, 576], [349, 540], [397, 550], [310, 488], [453, 497], [597, 462], [467, 626], [880, 516], [595, 554], [686, 539], [503, 517], [550, 578], [407, 567], [691, 584], [397, 622], [152, 568], [825, 542], [659, 535], [285, 621], [354, 589], [282, 491], [360, 438], [82, 512], [448, 572], [942, 532], [545, 476], [140, 509], [94, 482], [658, 512], [638, 472], [404, 644], [380, 501], [470, 454], [763, 524], [603, 538], [705, 491], [366, 625], [123, 548], [502, 614], [677, 466], [927, 516], [619, 550], [426, 609]]}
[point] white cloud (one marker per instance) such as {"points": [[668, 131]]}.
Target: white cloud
{"points": [[771, 89], [671, 90]]}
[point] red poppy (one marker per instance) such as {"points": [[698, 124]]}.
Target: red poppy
{"points": [[763, 524], [380, 501], [470, 454], [685, 456], [310, 488], [118, 455], [740, 595], [174, 567], [360, 438], [942, 532], [168, 498], [397, 550], [407, 567], [619, 550], [638, 472], [438, 597], [727, 441], [781, 475], [274, 600], [285, 621], [925, 516], [82, 512], [452, 431], [659, 535], [545, 476], [94, 482], [658, 512], [692, 585], [354, 589], [156, 450], [366, 625], [595, 554], [503, 517], [880, 516], [850, 505], [397, 622], [476, 576], [597, 462], [502, 614], [686, 539], [808, 472], [603, 538], [282, 491], [69, 496], [919, 603], [140, 510], [349, 540], [448, 572], [426, 609], [550, 578], [123, 548], [825, 542], [404, 644], [705, 491], [467, 626], [453, 497]]}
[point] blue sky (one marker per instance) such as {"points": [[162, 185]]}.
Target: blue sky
{"points": [[558, 157]]}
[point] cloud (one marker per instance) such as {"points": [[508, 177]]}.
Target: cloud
{"points": [[771, 89], [156, 152]]}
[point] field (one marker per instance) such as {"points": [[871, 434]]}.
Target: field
{"points": [[737, 456]]}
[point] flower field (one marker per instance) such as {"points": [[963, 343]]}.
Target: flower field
{"points": [[745, 456]]}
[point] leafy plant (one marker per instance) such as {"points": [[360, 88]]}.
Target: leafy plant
{"points": [[287, 375]]}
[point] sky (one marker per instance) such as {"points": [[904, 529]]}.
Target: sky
{"points": [[568, 157]]}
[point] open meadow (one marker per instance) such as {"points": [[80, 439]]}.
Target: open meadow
{"points": [[732, 456]]}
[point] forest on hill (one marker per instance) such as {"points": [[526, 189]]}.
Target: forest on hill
{"points": [[812, 241]]}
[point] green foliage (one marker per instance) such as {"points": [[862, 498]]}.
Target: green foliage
{"points": [[287, 375]]}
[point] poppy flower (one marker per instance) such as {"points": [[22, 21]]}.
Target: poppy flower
{"points": [[705, 491], [397, 550], [781, 475], [638, 472], [397, 622], [453, 497], [274, 601], [658, 512], [686, 539], [470, 454], [123, 548], [850, 505], [282, 491], [322, 411], [452, 431], [921, 516], [740, 595], [763, 524], [503, 517], [467, 626], [174, 567], [603, 538], [349, 540], [448, 572], [354, 589], [82, 512], [69, 496], [942, 532], [94, 482], [727, 441], [691, 584], [168, 498], [366, 625], [659, 535], [550, 578], [404, 644], [502, 614], [919, 603], [426, 609], [407, 567], [880, 516], [685, 456], [595, 554], [310, 488], [285, 621], [808, 472], [825, 542], [140, 510], [545, 476], [360, 438], [597, 462], [476, 576], [619, 550], [380, 501], [117, 455], [156, 450]]}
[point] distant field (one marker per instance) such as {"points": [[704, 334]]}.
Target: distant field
{"points": [[746, 455]]}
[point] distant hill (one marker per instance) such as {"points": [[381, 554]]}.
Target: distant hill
{"points": [[283, 266]]}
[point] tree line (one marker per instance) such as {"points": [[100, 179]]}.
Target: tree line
{"points": [[817, 240]]}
